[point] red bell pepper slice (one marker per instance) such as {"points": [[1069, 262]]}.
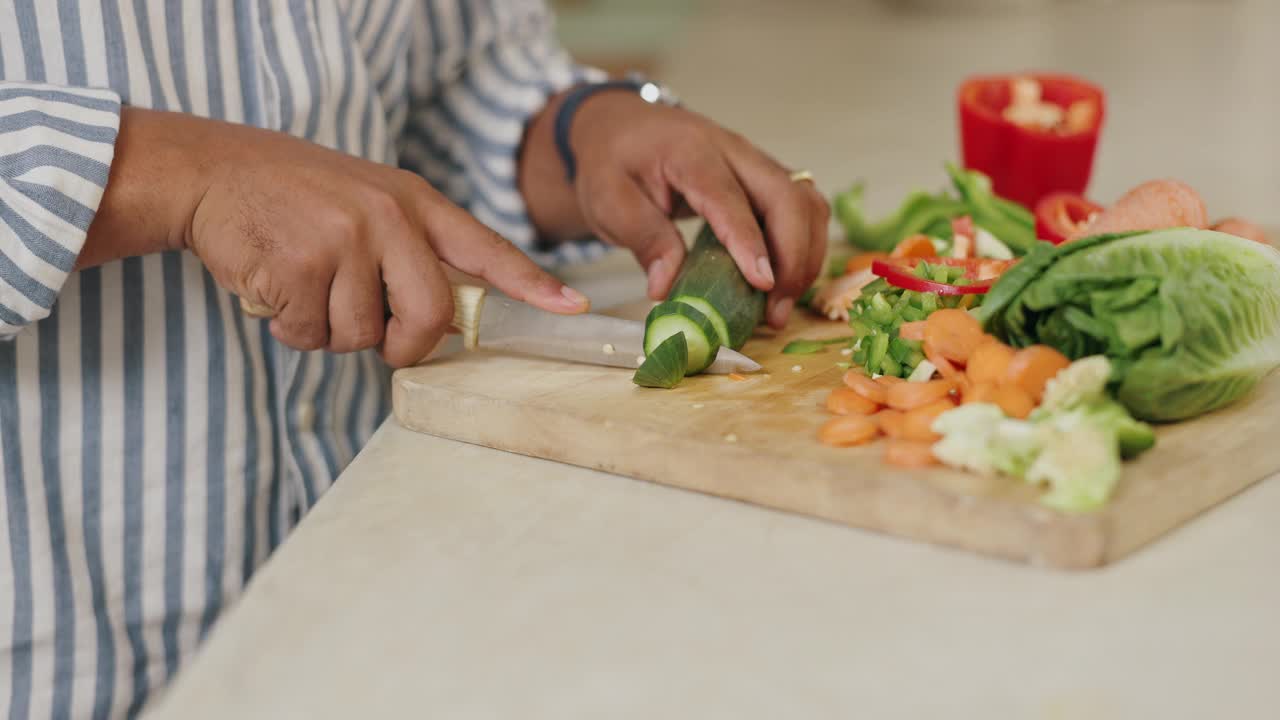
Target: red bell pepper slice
{"points": [[1024, 162], [1060, 215], [898, 274]]}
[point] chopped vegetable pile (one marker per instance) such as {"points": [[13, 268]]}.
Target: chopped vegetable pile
{"points": [[879, 314]]}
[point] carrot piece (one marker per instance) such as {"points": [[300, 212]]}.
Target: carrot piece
{"points": [[888, 380], [862, 384], [913, 330], [989, 361], [915, 246], [844, 401], [909, 396], [1031, 368], [918, 424], [890, 422], [945, 368], [848, 430], [862, 261], [1014, 401], [736, 377], [909, 453], [954, 333], [981, 393]]}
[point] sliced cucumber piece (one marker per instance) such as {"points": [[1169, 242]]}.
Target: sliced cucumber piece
{"points": [[704, 307], [665, 366], [671, 318]]}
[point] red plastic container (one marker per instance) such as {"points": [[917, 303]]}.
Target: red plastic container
{"points": [[1025, 163]]}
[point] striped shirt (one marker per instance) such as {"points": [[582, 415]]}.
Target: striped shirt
{"points": [[155, 443]]}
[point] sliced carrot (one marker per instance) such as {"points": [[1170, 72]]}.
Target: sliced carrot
{"points": [[909, 396], [862, 384], [862, 261], [909, 453], [945, 368], [981, 393], [844, 401], [913, 247], [918, 424], [890, 422], [848, 430], [888, 380], [913, 330], [1031, 368], [1014, 401], [988, 362], [953, 333]]}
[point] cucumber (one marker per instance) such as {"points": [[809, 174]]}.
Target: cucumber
{"points": [[665, 366], [710, 281], [676, 318]]}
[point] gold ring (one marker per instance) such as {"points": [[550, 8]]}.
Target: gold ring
{"points": [[261, 311], [801, 176]]}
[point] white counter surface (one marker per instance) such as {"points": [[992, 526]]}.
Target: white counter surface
{"points": [[445, 580]]}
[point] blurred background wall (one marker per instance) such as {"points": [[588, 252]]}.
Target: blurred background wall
{"points": [[864, 89]]}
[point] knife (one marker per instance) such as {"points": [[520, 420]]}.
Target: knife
{"points": [[490, 321]]}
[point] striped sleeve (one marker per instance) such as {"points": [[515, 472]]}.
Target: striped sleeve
{"points": [[495, 64], [56, 147]]}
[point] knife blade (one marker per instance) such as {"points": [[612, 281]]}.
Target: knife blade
{"points": [[492, 321]]}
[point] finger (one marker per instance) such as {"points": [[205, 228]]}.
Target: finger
{"points": [[788, 211], [302, 309], [712, 190], [356, 311], [622, 213], [473, 248], [419, 297]]}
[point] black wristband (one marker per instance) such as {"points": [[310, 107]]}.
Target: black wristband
{"points": [[564, 117]]}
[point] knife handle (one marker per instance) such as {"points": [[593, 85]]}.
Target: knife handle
{"points": [[468, 301]]}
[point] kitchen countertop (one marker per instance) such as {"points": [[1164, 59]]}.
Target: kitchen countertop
{"points": [[446, 580]]}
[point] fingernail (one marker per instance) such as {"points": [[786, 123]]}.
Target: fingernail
{"points": [[762, 265], [575, 298], [781, 311]]}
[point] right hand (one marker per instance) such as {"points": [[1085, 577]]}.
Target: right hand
{"points": [[314, 234]]}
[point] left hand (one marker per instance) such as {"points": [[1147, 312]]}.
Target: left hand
{"points": [[641, 165]]}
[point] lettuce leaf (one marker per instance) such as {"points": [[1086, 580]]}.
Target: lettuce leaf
{"points": [[1189, 318]]}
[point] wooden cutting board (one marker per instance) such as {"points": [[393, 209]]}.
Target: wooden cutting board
{"points": [[755, 441]]}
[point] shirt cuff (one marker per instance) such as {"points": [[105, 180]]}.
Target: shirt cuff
{"points": [[484, 113], [56, 148]]}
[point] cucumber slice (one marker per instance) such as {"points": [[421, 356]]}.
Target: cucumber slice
{"points": [[704, 307], [671, 318], [665, 366]]}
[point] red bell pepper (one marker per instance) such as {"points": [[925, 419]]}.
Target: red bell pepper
{"points": [[1060, 215], [898, 274], [1024, 160]]}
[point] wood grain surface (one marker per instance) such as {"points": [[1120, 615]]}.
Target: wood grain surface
{"points": [[755, 441]]}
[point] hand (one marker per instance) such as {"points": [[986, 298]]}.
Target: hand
{"points": [[641, 165], [314, 235]]}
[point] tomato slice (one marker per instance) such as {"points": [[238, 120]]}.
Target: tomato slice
{"points": [[1059, 215], [898, 274]]}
